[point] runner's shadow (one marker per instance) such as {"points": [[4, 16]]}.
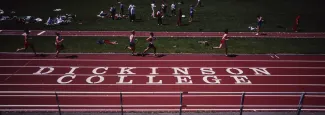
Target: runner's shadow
{"points": [[232, 55], [42, 55], [161, 55], [72, 57]]}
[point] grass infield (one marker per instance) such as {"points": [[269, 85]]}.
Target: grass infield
{"points": [[215, 15]]}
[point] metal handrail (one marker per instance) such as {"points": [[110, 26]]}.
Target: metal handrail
{"points": [[299, 105]]}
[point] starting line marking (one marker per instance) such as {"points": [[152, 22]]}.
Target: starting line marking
{"points": [[316, 85], [101, 60], [41, 33]]}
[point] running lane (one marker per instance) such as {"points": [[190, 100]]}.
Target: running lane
{"points": [[174, 73]]}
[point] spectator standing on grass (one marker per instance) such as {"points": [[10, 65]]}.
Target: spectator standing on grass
{"points": [[179, 17], [113, 12], [132, 13], [164, 9], [153, 10], [129, 10], [159, 16], [296, 24], [259, 24], [121, 8], [173, 9], [192, 10]]}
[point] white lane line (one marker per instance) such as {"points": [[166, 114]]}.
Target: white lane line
{"points": [[277, 56], [18, 70], [314, 85], [272, 57], [151, 110], [159, 67], [239, 95], [0, 30], [32, 75], [41, 33], [102, 60], [153, 106]]}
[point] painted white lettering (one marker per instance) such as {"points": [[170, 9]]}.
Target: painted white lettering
{"points": [[151, 81], [241, 79], [72, 70], [126, 69], [183, 70], [214, 79], [207, 71], [96, 69], [154, 70], [183, 79], [89, 79], [239, 71], [122, 80], [258, 71], [60, 80], [50, 70]]}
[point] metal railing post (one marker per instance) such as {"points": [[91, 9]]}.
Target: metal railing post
{"points": [[121, 100], [226, 48], [242, 103], [181, 103], [58, 102], [301, 101]]}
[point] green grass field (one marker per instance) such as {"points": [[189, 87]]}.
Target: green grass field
{"points": [[216, 15], [172, 45]]}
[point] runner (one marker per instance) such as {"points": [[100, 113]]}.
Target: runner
{"points": [[58, 44], [296, 25], [27, 43], [151, 40], [132, 42], [222, 41], [259, 24]]}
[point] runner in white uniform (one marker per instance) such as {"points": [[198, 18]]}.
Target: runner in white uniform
{"points": [[132, 42]]}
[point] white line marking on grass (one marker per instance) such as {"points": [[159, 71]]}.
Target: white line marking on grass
{"points": [[41, 33], [205, 85], [277, 56], [102, 60]]}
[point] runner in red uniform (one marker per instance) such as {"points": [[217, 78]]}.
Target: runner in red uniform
{"points": [[223, 40], [58, 44], [27, 43]]}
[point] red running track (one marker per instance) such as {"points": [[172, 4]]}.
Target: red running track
{"points": [[93, 82], [168, 34]]}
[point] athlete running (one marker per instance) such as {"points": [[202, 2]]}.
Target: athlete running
{"points": [[151, 39]]}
